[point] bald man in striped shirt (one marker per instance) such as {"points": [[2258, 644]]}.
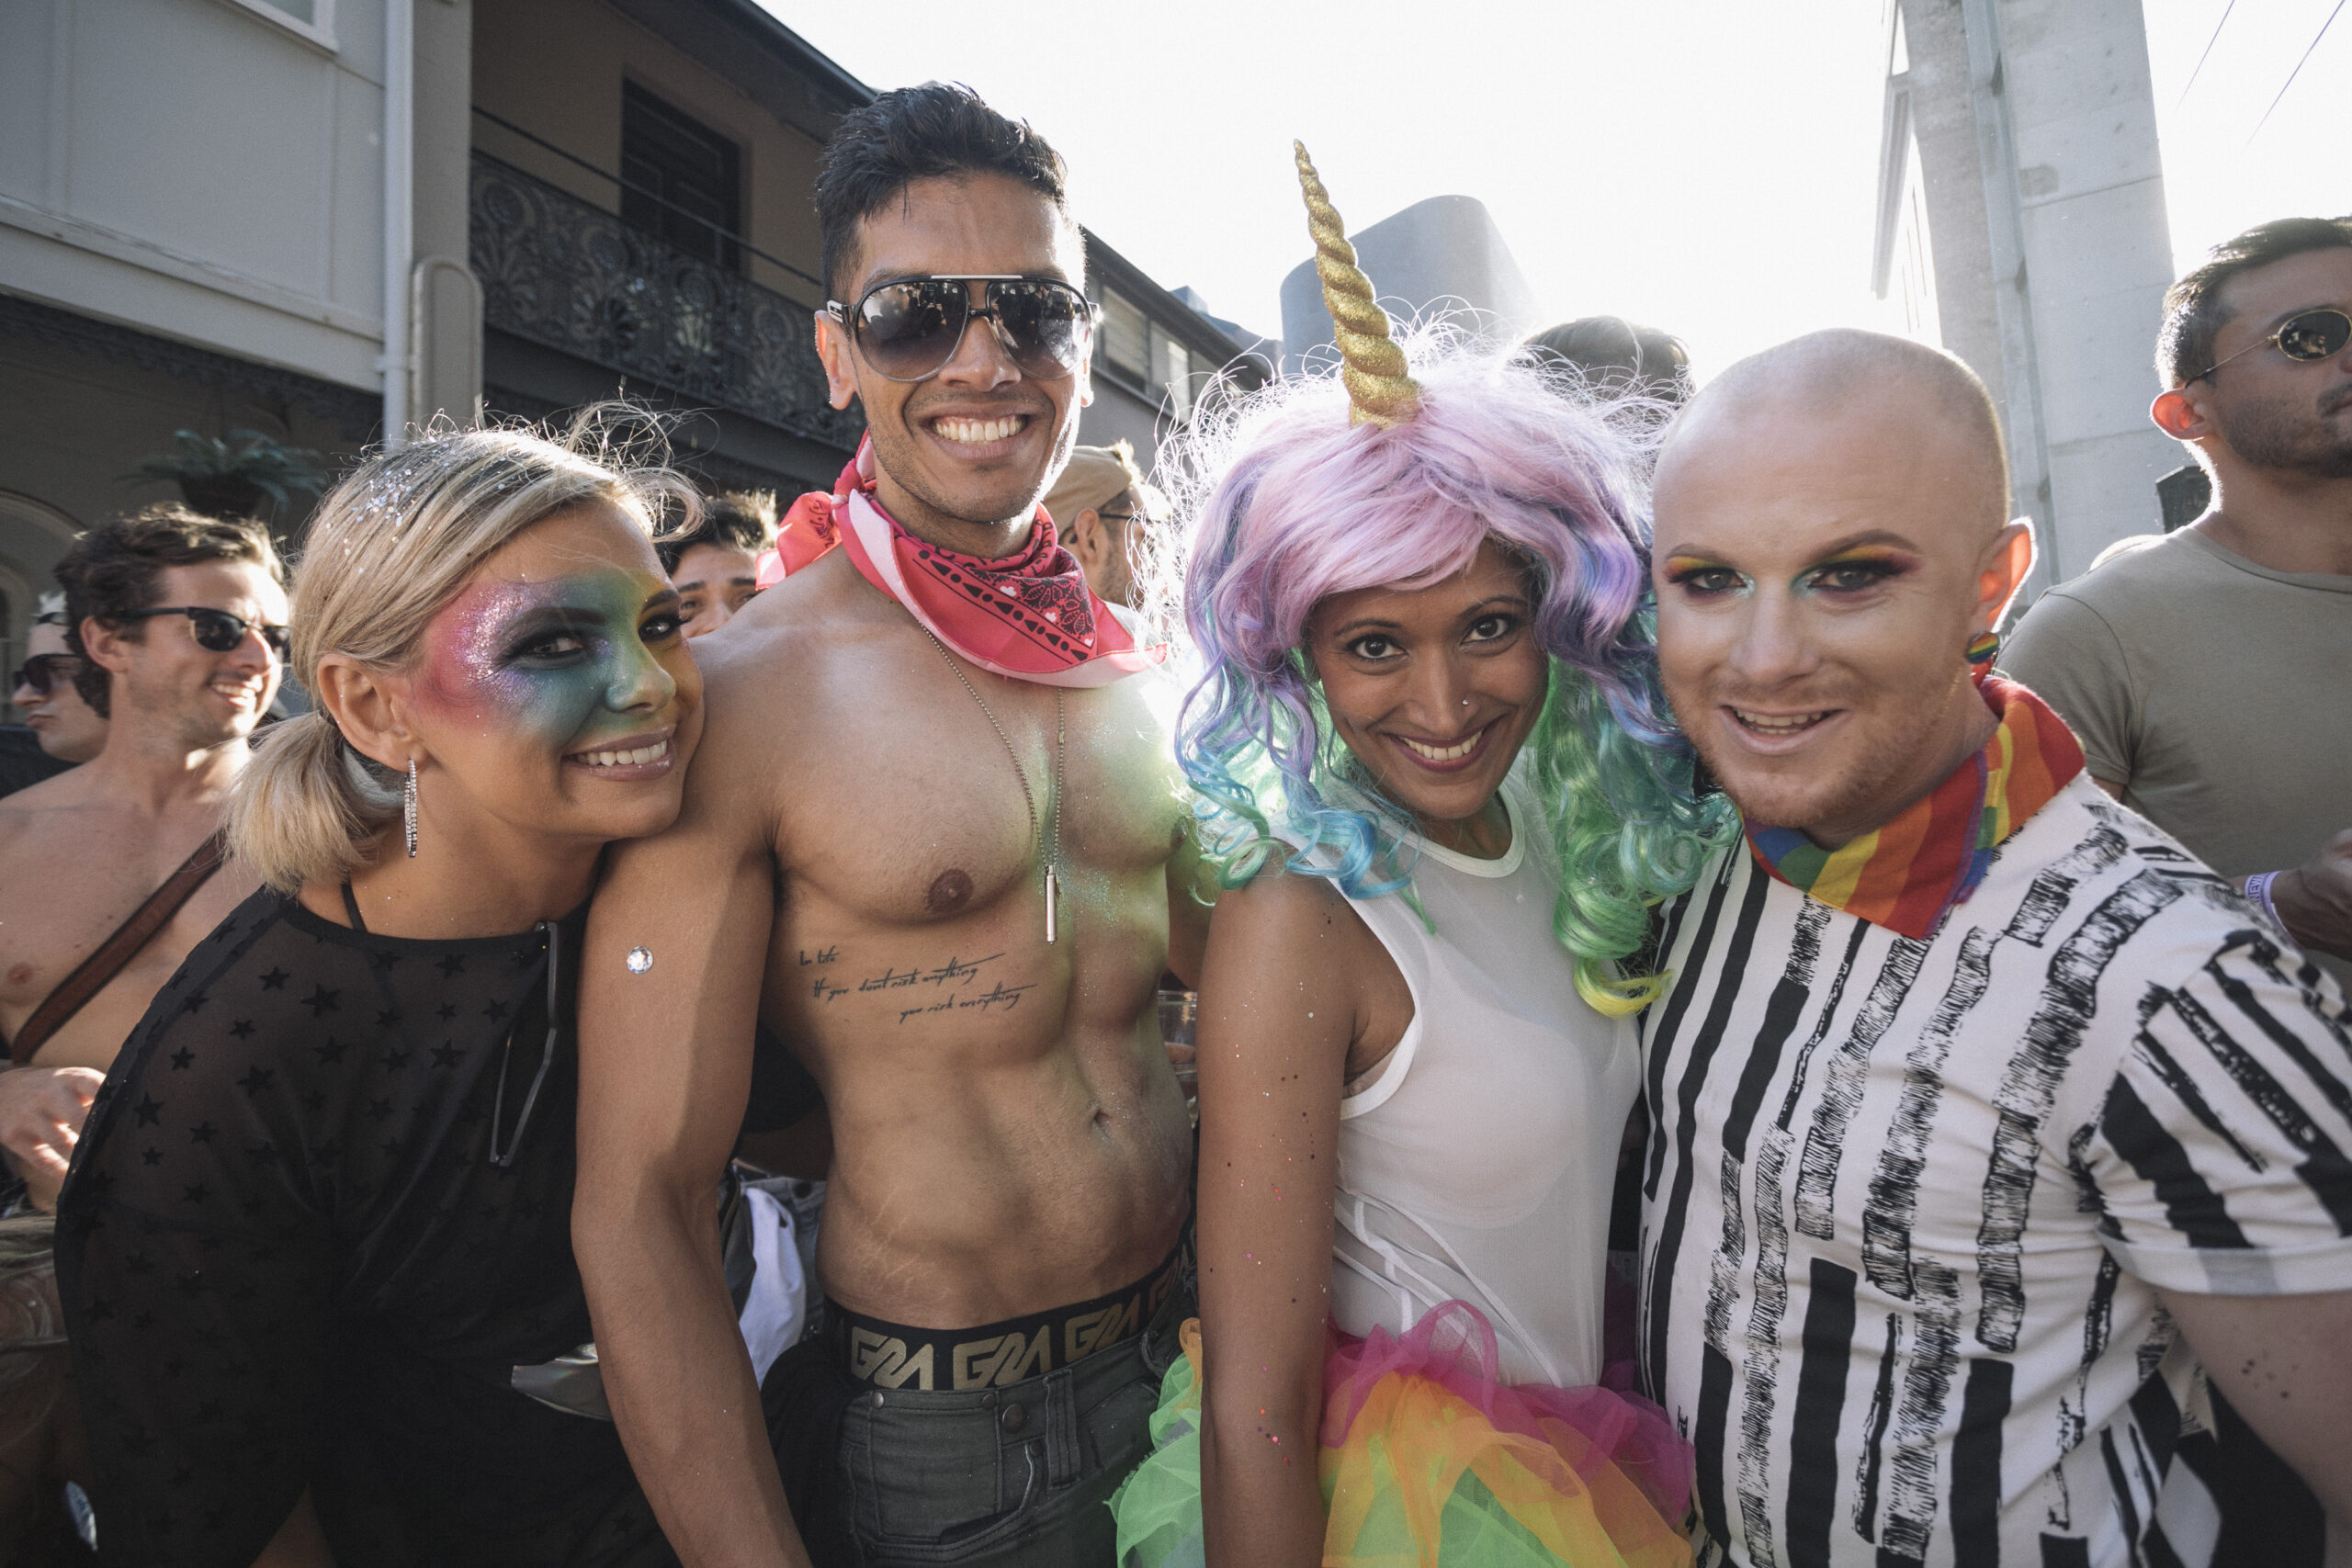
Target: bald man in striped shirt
{"points": [[1988, 1123]]}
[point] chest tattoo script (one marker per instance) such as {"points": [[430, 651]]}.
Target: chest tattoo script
{"points": [[949, 988]]}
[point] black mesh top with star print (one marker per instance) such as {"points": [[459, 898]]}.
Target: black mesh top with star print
{"points": [[287, 1259]]}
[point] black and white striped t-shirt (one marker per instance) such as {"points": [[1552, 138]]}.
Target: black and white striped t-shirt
{"points": [[1908, 1204]]}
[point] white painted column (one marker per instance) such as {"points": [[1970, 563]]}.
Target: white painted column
{"points": [[400, 149]]}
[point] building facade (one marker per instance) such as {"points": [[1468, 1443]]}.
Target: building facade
{"points": [[1441, 257], [322, 220], [2022, 227]]}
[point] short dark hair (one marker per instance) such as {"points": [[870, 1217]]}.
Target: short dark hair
{"points": [[2193, 312], [941, 129], [1612, 353], [734, 519], [115, 568]]}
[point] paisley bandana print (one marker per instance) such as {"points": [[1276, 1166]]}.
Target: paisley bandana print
{"points": [[1906, 874], [1029, 615]]}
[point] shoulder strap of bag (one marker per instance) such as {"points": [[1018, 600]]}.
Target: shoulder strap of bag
{"points": [[91, 975]]}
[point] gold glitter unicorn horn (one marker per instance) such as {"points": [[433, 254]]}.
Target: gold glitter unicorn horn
{"points": [[1379, 392]]}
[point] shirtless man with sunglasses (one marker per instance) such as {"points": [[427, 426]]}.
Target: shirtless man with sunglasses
{"points": [[931, 837], [180, 623]]}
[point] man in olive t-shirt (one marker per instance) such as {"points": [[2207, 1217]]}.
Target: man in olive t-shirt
{"points": [[2215, 691], [2209, 671]]}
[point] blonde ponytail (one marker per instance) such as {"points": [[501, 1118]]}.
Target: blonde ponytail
{"points": [[393, 544], [306, 807]]}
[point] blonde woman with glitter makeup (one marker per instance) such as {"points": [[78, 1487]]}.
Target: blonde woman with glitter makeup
{"points": [[315, 1253]]}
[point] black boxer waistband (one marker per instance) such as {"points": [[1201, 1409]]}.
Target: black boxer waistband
{"points": [[879, 1354]]}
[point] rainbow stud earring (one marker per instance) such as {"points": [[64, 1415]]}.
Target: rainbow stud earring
{"points": [[1984, 647]]}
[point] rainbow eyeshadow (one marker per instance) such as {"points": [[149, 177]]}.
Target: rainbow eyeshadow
{"points": [[541, 656], [1884, 560]]}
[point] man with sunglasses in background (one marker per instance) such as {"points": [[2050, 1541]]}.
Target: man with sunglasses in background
{"points": [[2209, 671], [931, 837], [69, 729], [176, 626]]}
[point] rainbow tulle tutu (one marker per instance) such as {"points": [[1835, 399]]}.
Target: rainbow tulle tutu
{"points": [[1427, 1460]]}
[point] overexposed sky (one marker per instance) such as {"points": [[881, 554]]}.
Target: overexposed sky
{"points": [[1705, 165]]}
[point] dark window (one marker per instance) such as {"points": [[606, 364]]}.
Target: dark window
{"points": [[683, 181]]}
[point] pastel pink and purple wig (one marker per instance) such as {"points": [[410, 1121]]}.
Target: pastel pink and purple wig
{"points": [[1296, 504]]}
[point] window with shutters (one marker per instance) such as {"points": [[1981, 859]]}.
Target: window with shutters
{"points": [[679, 179]]}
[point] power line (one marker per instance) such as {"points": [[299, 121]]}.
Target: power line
{"points": [[2297, 70], [2208, 50]]}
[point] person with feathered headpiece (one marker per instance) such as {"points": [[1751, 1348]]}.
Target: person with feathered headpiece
{"points": [[1433, 771]]}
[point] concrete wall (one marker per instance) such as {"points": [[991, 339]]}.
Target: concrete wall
{"points": [[2098, 257], [2043, 146], [191, 235]]}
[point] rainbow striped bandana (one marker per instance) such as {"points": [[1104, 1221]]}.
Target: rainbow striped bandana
{"points": [[1907, 875]]}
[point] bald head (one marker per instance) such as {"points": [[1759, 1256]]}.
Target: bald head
{"points": [[1855, 388], [1830, 542]]}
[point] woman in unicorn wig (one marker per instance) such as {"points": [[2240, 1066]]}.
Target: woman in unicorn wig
{"points": [[1434, 774]]}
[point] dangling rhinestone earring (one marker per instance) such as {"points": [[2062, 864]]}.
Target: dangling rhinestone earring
{"points": [[407, 808]]}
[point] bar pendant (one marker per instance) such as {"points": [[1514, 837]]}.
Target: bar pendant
{"points": [[1052, 899]]}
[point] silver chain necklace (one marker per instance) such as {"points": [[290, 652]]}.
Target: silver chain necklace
{"points": [[1054, 848]]}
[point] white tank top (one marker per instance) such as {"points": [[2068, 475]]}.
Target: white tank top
{"points": [[1479, 1161]]}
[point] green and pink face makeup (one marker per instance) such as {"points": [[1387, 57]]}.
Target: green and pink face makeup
{"points": [[576, 666]]}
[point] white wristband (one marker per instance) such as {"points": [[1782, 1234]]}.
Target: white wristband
{"points": [[2257, 893]]}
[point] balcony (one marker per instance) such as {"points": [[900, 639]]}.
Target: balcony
{"points": [[568, 276]]}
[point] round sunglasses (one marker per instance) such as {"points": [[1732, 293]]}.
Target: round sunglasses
{"points": [[218, 631], [909, 328], [2310, 337]]}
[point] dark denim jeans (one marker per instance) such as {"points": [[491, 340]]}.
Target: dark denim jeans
{"points": [[1021, 1475]]}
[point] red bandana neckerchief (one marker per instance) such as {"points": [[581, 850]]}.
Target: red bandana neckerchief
{"points": [[1906, 874], [1029, 614]]}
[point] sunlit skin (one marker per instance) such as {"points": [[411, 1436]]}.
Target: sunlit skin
{"points": [[2276, 432], [975, 496], [551, 709], [78, 852], [851, 814], [210, 698], [1819, 576], [1298, 997], [713, 582], [68, 727]]}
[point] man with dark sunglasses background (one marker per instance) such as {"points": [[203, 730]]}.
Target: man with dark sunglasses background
{"points": [[79, 853], [2209, 671], [932, 839], [69, 729]]}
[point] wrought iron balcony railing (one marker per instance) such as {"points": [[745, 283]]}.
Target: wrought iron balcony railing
{"points": [[570, 275]]}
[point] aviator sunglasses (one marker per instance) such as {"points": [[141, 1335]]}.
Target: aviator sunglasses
{"points": [[908, 328], [218, 631], [2311, 336]]}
